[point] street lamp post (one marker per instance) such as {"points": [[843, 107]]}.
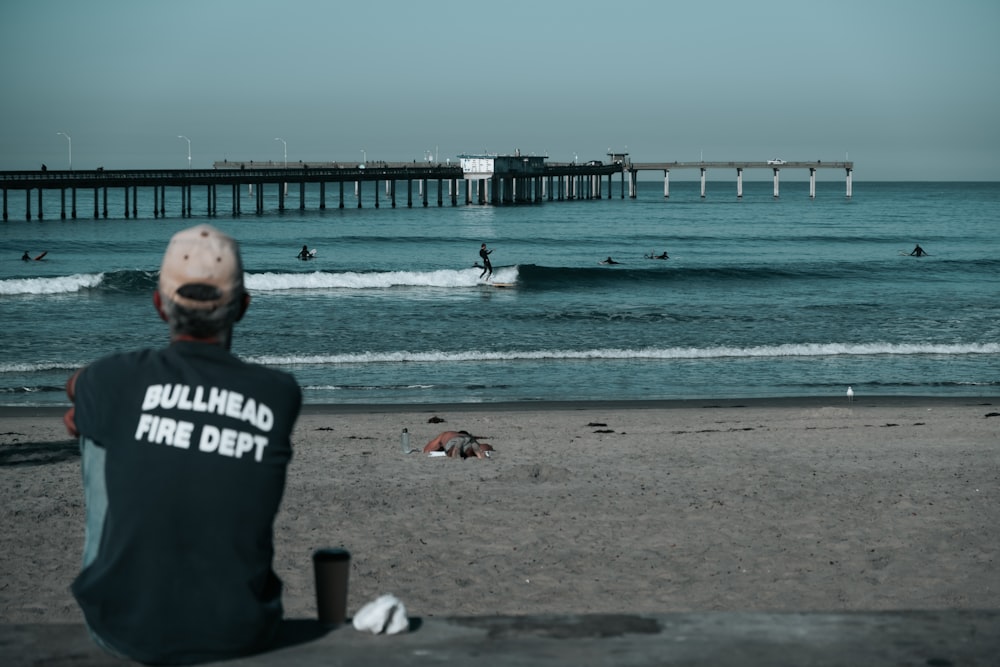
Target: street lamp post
{"points": [[181, 136], [364, 156], [286, 149], [70, 140], [285, 144]]}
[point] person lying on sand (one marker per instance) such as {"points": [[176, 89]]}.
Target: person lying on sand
{"points": [[457, 444]]}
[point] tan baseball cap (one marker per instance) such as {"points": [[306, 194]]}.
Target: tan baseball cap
{"points": [[201, 269]]}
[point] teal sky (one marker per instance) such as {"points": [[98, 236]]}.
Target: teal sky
{"points": [[907, 89]]}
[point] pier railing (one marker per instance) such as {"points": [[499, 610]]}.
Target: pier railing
{"points": [[23, 180]]}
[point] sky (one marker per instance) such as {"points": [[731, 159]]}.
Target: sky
{"points": [[906, 89]]}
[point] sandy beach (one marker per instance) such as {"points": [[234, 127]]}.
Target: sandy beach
{"points": [[780, 505]]}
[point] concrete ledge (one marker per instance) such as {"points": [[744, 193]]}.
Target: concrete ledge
{"points": [[875, 639]]}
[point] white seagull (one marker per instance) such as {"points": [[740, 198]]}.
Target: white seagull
{"points": [[850, 395]]}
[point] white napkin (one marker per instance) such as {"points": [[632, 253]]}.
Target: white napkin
{"points": [[386, 614]]}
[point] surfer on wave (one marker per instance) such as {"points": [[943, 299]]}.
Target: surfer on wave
{"points": [[609, 261], [487, 267]]}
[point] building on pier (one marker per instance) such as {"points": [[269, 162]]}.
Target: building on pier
{"points": [[505, 179]]}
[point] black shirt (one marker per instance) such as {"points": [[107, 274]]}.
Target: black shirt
{"points": [[197, 445]]}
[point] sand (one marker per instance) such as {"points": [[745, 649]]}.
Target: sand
{"points": [[808, 505]]}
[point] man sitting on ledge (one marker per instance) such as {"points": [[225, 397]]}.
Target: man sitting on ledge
{"points": [[184, 456]]}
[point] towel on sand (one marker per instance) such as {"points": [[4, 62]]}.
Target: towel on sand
{"points": [[386, 614]]}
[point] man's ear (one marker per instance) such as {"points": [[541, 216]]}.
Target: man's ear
{"points": [[158, 302], [243, 306]]}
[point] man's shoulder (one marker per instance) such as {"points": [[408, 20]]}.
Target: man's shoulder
{"points": [[274, 375], [125, 358], [113, 369], [273, 378], [274, 386]]}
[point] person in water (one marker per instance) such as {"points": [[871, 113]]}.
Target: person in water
{"points": [[663, 256], [918, 252], [25, 257], [610, 261], [304, 253], [487, 267]]}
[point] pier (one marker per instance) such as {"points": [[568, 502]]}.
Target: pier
{"points": [[252, 180], [479, 179], [775, 166]]}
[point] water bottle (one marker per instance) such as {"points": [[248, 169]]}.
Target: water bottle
{"points": [[404, 441]]}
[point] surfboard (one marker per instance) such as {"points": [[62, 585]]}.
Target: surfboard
{"points": [[503, 284], [42, 256]]}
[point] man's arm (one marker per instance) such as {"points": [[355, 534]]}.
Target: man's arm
{"points": [[434, 445], [69, 419]]}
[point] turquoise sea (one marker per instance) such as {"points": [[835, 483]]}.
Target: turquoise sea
{"points": [[760, 297]]}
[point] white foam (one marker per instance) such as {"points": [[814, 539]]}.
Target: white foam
{"points": [[57, 285], [804, 350], [271, 282], [26, 367]]}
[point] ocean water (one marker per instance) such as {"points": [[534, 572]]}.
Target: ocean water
{"points": [[761, 297]]}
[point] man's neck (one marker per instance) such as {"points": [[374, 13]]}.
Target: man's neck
{"points": [[222, 340]]}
